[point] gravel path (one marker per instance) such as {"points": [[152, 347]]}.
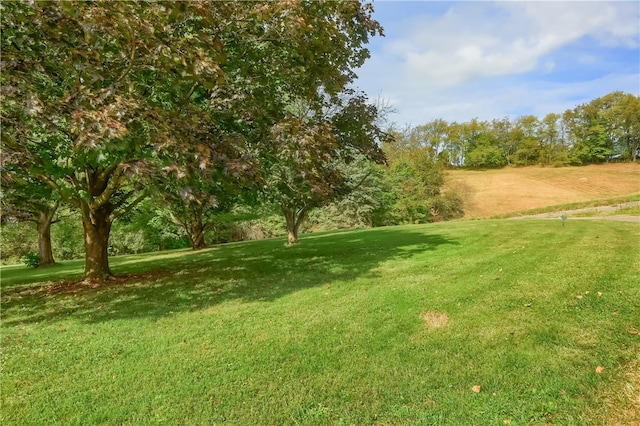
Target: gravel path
{"points": [[600, 209]]}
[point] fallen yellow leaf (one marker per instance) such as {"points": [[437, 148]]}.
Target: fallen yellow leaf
{"points": [[476, 388], [579, 296]]}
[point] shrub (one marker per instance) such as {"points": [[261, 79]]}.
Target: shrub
{"points": [[447, 206], [67, 238], [31, 259], [127, 241], [16, 240], [486, 157]]}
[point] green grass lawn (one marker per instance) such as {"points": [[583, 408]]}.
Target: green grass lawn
{"points": [[384, 326]]}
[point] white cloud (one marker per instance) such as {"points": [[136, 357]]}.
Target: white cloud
{"points": [[468, 43], [613, 24], [549, 66], [489, 101], [452, 65], [587, 59]]}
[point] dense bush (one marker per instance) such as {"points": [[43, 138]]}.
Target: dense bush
{"points": [[447, 206], [17, 240], [486, 157], [270, 225], [67, 238], [32, 260]]}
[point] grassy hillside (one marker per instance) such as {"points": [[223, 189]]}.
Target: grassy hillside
{"points": [[482, 322], [493, 192]]}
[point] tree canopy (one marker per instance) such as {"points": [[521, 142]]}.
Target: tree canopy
{"points": [[100, 97]]}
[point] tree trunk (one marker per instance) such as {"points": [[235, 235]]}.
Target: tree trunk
{"points": [[44, 237], [292, 236], [294, 219], [197, 238], [196, 230], [97, 226]]}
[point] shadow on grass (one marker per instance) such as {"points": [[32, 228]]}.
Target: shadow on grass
{"points": [[157, 285]]}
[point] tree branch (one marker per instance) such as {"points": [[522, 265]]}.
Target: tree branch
{"points": [[104, 175], [112, 186], [53, 185], [302, 216], [131, 206], [52, 212], [362, 181], [208, 226], [132, 56], [188, 95], [177, 221]]}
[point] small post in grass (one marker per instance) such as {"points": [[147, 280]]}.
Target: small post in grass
{"points": [[562, 219]]}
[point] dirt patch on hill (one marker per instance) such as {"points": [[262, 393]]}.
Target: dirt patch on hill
{"points": [[493, 192], [435, 319]]}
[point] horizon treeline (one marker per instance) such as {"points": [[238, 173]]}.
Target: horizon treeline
{"points": [[603, 130]]}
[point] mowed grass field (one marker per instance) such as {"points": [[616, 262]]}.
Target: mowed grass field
{"points": [[493, 192], [474, 322]]}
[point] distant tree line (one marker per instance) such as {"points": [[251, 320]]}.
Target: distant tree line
{"points": [[603, 130]]}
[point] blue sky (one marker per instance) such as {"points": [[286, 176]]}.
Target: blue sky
{"points": [[460, 60]]}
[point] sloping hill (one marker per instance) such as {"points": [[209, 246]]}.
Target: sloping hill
{"points": [[491, 192]]}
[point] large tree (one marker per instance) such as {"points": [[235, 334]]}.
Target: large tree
{"points": [[623, 117], [310, 50], [201, 188], [27, 199], [96, 93], [305, 168]]}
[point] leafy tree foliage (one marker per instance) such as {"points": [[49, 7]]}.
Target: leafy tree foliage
{"points": [[147, 228], [626, 126], [310, 127], [99, 97], [310, 153], [196, 191], [91, 92], [367, 203], [485, 153], [300, 176], [414, 179]]}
